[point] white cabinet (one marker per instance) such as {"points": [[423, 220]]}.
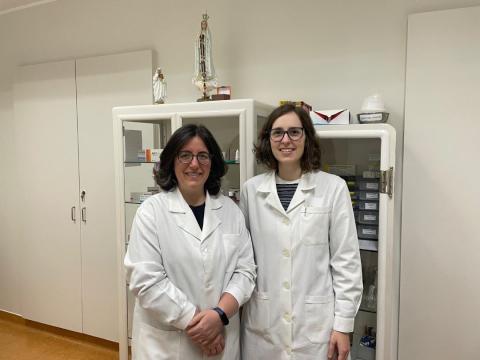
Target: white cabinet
{"points": [[234, 124], [64, 138]]}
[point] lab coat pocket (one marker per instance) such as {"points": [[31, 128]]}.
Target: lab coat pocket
{"points": [[257, 317], [230, 246], [319, 313], [314, 225], [157, 344]]}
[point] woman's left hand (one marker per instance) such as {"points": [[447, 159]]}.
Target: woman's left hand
{"points": [[215, 347], [339, 345], [204, 327]]}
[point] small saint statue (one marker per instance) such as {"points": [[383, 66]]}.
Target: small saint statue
{"points": [[159, 87], [204, 77]]}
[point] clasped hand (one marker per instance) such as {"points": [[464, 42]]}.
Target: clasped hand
{"points": [[206, 330]]}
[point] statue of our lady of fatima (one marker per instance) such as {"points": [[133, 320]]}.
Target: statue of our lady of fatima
{"points": [[204, 77]]}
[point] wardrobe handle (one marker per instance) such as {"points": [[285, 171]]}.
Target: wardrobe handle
{"points": [[84, 214], [73, 213]]}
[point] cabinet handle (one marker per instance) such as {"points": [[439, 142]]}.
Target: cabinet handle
{"points": [[84, 214], [73, 213]]}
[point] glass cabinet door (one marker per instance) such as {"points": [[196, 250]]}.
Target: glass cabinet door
{"points": [[357, 161], [365, 156], [143, 142]]}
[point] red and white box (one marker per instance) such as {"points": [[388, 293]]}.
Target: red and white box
{"points": [[330, 117]]}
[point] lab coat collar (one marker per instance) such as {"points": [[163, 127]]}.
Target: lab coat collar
{"points": [[269, 190], [306, 184], [186, 220]]}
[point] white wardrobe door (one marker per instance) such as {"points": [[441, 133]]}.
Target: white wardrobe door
{"points": [[102, 83], [46, 149], [440, 296]]}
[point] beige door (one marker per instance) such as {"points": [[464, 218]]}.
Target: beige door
{"points": [[439, 293], [102, 83], [49, 231]]}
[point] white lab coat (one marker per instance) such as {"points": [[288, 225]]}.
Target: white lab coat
{"points": [[309, 277], [173, 267]]}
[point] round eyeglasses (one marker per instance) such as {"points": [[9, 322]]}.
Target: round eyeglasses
{"points": [[186, 157], [294, 133]]}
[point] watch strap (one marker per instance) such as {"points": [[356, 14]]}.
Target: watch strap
{"points": [[222, 315]]}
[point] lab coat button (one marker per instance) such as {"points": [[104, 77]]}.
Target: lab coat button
{"points": [[287, 317], [286, 221], [286, 285], [286, 253]]}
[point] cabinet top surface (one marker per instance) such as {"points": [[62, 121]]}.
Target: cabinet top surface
{"points": [[193, 106], [365, 129]]}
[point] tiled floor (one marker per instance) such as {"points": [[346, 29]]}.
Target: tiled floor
{"points": [[21, 340]]}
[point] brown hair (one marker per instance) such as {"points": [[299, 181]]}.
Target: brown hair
{"points": [[311, 158], [165, 172]]}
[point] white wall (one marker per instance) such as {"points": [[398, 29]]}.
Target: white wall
{"points": [[329, 53]]}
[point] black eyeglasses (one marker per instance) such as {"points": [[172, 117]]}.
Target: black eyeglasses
{"points": [[186, 157], [294, 133]]}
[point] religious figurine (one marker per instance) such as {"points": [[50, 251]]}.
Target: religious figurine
{"points": [[159, 87], [204, 77]]}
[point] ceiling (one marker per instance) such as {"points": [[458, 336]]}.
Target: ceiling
{"points": [[7, 6]]}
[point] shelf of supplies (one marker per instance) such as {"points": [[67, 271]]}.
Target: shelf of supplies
{"points": [[133, 202], [367, 310], [229, 162], [368, 245], [140, 162]]}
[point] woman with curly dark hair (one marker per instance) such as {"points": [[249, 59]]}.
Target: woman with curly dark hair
{"points": [[189, 260], [309, 277]]}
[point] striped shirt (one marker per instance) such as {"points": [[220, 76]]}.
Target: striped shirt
{"points": [[286, 190]]}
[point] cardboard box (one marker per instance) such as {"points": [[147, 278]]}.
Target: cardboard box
{"points": [[299, 103], [330, 117], [156, 154]]}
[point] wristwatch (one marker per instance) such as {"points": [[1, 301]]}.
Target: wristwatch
{"points": [[222, 315]]}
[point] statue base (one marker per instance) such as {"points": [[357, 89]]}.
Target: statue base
{"points": [[204, 98]]}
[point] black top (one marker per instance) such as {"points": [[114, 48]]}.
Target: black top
{"points": [[285, 193], [199, 212]]}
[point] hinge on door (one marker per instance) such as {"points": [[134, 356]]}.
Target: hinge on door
{"points": [[386, 182], [123, 130]]}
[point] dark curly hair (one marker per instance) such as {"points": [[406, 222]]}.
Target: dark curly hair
{"points": [[165, 174], [311, 158]]}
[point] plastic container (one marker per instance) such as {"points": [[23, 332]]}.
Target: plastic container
{"points": [[372, 117], [368, 184], [373, 110], [367, 232], [366, 205], [366, 217], [367, 195]]}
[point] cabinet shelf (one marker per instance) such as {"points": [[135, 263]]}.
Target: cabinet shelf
{"points": [[367, 310], [229, 162], [140, 162]]}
